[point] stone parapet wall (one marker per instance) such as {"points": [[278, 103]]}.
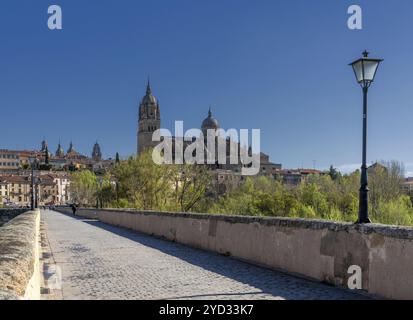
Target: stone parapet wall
{"points": [[320, 250], [19, 257], [8, 214]]}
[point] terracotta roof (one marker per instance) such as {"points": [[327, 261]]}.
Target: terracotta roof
{"points": [[15, 179], [299, 171]]}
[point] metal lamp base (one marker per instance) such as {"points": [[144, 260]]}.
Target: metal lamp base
{"points": [[363, 221]]}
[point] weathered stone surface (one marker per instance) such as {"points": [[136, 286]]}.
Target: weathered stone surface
{"points": [[8, 295], [17, 254]]}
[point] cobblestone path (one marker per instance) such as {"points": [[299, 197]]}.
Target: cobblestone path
{"points": [[98, 261]]}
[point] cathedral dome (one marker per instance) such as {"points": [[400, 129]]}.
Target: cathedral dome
{"points": [[149, 107], [149, 98], [209, 123], [60, 152], [71, 151]]}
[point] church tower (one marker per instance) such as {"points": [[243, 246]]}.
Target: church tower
{"points": [[96, 153], [59, 152], [149, 120]]}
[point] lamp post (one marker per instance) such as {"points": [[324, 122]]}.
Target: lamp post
{"points": [[33, 202], [31, 161], [365, 70], [37, 195], [99, 198]]}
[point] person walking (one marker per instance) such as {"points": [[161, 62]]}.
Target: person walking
{"points": [[73, 209]]}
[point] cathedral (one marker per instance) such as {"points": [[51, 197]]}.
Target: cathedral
{"points": [[150, 121], [71, 153]]}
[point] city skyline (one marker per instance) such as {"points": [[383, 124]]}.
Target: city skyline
{"points": [[272, 66]]}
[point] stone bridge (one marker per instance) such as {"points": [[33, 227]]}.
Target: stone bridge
{"points": [[121, 254], [100, 261]]}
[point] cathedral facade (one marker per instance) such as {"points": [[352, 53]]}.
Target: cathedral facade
{"points": [[149, 121]]}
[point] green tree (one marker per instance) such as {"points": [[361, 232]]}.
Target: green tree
{"points": [[191, 183], [145, 184], [334, 173], [83, 188], [313, 199], [106, 193]]}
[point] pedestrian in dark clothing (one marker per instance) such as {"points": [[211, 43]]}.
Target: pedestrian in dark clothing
{"points": [[73, 209]]}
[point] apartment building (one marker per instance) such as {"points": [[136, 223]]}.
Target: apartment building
{"points": [[16, 190], [50, 188], [9, 160]]}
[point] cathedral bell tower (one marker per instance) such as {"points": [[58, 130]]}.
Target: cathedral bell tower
{"points": [[149, 120]]}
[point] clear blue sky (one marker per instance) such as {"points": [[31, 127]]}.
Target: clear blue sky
{"points": [[280, 66]]}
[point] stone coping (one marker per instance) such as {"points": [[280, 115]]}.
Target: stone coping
{"points": [[398, 232], [17, 254]]}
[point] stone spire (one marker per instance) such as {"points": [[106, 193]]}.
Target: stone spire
{"points": [[60, 152], [96, 153], [148, 87], [71, 149]]}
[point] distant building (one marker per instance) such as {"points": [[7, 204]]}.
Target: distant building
{"points": [[294, 177], [376, 167], [72, 154], [9, 160], [149, 120], [14, 160], [267, 168], [44, 147], [226, 176], [4, 192], [101, 167], [62, 183], [18, 190], [96, 153], [407, 186], [227, 180], [72, 159], [60, 153], [51, 189], [58, 163]]}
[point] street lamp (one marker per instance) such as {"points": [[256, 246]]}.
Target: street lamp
{"points": [[99, 198], [33, 162], [365, 70], [37, 194]]}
